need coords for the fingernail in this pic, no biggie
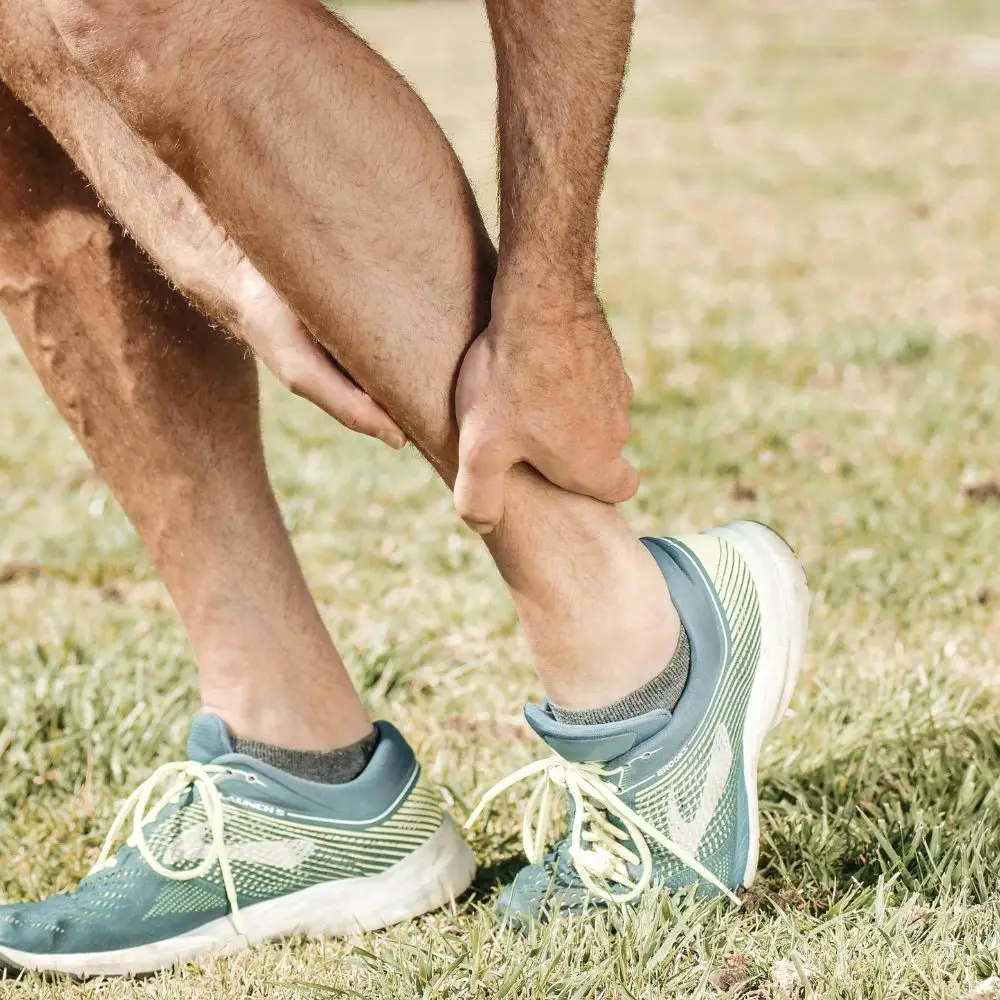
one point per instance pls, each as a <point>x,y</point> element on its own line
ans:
<point>394,439</point>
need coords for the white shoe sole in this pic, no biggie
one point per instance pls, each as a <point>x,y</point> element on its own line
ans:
<point>431,877</point>
<point>783,596</point>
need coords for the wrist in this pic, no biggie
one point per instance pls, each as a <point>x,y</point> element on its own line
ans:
<point>529,286</point>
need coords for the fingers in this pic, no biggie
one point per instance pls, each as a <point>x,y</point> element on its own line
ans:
<point>617,480</point>
<point>310,372</point>
<point>479,486</point>
<point>611,481</point>
<point>617,483</point>
<point>282,341</point>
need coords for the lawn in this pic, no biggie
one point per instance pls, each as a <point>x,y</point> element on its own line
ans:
<point>801,259</point>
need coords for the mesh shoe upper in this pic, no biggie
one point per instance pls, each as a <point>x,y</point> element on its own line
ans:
<point>680,773</point>
<point>281,835</point>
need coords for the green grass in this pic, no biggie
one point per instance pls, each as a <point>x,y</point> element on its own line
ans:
<point>800,251</point>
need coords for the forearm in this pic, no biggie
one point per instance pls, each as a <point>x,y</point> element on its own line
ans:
<point>323,165</point>
<point>560,67</point>
<point>148,198</point>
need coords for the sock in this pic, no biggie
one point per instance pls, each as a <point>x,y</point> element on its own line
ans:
<point>663,691</point>
<point>328,767</point>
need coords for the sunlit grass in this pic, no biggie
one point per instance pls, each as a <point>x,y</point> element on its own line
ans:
<point>801,250</point>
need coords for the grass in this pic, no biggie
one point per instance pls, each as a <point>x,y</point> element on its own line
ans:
<point>800,250</point>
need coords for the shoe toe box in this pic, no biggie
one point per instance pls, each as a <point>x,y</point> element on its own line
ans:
<point>540,893</point>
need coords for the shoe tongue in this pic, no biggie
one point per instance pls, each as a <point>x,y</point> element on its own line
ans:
<point>208,738</point>
<point>593,744</point>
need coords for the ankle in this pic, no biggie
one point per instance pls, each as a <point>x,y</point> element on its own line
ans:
<point>280,721</point>
<point>607,636</point>
<point>661,693</point>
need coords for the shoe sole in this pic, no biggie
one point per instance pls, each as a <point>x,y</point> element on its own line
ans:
<point>433,876</point>
<point>783,596</point>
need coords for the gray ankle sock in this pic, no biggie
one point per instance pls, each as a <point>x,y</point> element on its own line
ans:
<point>328,767</point>
<point>663,691</point>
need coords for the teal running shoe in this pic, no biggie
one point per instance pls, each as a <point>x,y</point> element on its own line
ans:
<point>226,851</point>
<point>669,799</point>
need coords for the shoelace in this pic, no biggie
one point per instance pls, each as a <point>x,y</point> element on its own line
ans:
<point>185,774</point>
<point>598,847</point>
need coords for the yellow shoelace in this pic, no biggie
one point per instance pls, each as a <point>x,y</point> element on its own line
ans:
<point>599,849</point>
<point>185,774</point>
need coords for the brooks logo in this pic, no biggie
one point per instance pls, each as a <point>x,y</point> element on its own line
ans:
<point>689,833</point>
<point>194,844</point>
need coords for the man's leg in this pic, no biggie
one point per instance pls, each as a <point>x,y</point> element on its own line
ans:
<point>167,410</point>
<point>292,813</point>
<point>331,173</point>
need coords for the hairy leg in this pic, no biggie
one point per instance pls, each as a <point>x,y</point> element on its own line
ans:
<point>330,172</point>
<point>167,410</point>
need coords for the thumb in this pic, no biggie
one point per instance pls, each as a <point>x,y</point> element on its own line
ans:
<point>618,482</point>
<point>479,485</point>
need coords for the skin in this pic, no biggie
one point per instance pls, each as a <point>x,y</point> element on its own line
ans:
<point>329,172</point>
<point>167,410</point>
<point>544,384</point>
<point>177,232</point>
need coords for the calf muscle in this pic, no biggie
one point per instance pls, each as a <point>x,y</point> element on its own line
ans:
<point>326,167</point>
<point>108,338</point>
<point>149,200</point>
<point>332,174</point>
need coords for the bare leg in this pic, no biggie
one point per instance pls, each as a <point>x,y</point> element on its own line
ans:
<point>327,168</point>
<point>167,410</point>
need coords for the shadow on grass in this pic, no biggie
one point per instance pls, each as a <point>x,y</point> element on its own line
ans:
<point>495,876</point>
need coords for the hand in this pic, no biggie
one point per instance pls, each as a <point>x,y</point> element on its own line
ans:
<point>280,339</point>
<point>543,384</point>
<point>208,267</point>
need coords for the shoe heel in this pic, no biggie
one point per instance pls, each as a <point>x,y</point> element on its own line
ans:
<point>783,596</point>
<point>781,586</point>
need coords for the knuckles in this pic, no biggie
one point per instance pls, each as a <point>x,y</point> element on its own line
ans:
<point>621,427</point>
<point>294,372</point>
